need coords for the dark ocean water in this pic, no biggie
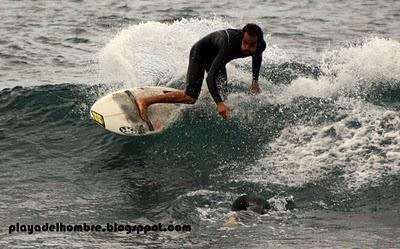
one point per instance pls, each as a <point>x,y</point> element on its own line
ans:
<point>324,132</point>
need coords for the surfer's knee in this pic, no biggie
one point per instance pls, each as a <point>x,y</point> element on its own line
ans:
<point>190,99</point>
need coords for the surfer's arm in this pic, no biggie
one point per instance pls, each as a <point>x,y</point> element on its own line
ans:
<point>256,60</point>
<point>212,73</point>
<point>256,65</point>
<point>255,87</point>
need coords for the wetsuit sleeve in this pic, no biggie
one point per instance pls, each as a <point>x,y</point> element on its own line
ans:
<point>257,59</point>
<point>218,63</point>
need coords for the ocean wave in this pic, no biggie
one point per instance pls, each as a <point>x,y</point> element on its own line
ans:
<point>308,128</point>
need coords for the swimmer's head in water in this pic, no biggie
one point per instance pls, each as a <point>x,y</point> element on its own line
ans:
<point>252,36</point>
<point>251,202</point>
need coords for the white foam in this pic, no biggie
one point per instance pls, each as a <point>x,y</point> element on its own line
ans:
<point>375,60</point>
<point>153,53</point>
<point>364,153</point>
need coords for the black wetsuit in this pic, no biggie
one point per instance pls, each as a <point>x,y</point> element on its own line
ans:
<point>211,54</point>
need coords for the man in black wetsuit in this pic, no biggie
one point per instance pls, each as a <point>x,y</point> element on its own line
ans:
<point>211,54</point>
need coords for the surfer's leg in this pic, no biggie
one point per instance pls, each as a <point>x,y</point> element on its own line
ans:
<point>195,74</point>
<point>170,97</point>
<point>194,80</point>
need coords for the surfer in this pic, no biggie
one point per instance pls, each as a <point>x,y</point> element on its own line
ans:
<point>210,54</point>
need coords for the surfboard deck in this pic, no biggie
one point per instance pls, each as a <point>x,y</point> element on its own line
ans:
<point>117,112</point>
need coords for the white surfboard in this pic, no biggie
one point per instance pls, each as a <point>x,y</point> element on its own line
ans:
<point>118,113</point>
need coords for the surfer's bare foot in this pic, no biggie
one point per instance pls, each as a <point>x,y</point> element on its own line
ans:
<point>142,108</point>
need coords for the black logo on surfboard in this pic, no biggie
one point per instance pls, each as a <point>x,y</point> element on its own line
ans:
<point>130,130</point>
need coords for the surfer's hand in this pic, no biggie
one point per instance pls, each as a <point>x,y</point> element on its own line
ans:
<point>255,87</point>
<point>223,110</point>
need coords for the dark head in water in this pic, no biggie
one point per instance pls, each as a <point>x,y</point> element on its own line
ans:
<point>251,202</point>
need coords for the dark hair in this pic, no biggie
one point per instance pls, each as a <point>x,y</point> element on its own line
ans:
<point>252,202</point>
<point>253,30</point>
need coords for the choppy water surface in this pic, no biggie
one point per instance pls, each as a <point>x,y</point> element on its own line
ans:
<point>325,130</point>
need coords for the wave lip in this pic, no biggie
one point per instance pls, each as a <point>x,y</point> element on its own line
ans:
<point>369,69</point>
<point>153,53</point>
